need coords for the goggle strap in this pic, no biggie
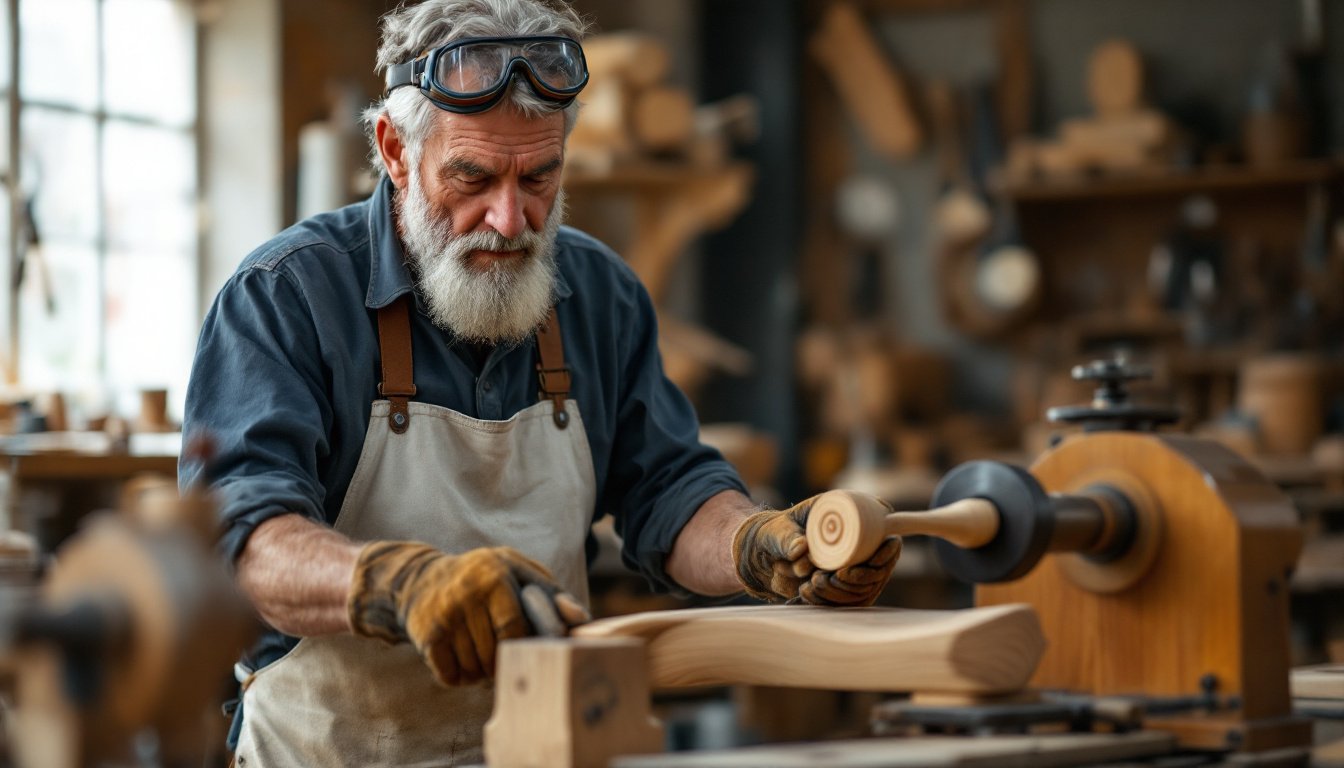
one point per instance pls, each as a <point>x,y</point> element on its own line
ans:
<point>403,73</point>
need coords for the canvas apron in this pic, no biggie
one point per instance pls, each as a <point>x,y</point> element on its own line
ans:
<point>430,474</point>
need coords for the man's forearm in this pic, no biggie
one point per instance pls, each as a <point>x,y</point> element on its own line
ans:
<point>297,574</point>
<point>702,556</point>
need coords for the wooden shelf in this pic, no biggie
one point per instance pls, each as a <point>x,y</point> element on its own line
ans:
<point>1228,178</point>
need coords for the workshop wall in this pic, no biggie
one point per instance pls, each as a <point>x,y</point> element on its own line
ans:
<point>748,283</point>
<point>1199,70</point>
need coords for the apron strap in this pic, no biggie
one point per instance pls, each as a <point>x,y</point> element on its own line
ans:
<point>552,374</point>
<point>394,342</point>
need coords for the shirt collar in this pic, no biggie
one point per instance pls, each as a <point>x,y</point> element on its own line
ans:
<point>389,276</point>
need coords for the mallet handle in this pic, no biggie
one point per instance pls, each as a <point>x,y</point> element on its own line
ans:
<point>847,527</point>
<point>968,523</point>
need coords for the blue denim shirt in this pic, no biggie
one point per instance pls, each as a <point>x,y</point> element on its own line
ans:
<point>287,367</point>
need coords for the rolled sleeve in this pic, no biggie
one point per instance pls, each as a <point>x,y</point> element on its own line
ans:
<point>661,473</point>
<point>258,392</point>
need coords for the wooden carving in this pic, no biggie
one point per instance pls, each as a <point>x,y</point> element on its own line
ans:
<point>875,649</point>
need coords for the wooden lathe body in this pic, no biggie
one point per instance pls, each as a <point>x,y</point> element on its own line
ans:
<point>1200,604</point>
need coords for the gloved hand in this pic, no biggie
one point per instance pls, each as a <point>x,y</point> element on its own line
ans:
<point>455,609</point>
<point>770,553</point>
<point>858,584</point>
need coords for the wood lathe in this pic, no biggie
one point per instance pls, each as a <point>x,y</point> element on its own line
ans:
<point>119,654</point>
<point>1156,564</point>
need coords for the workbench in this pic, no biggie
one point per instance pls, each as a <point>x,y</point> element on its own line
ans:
<point>51,479</point>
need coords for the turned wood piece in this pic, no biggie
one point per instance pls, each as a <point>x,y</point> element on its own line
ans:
<point>994,522</point>
<point>861,649</point>
<point>847,527</point>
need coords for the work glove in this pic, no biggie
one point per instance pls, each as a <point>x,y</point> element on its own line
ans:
<point>455,609</point>
<point>858,584</point>
<point>770,553</point>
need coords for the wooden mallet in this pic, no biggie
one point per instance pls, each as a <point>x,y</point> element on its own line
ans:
<point>847,527</point>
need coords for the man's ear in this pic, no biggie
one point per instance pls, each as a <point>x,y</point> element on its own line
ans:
<point>392,151</point>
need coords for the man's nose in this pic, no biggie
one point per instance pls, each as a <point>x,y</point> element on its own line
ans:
<point>505,214</point>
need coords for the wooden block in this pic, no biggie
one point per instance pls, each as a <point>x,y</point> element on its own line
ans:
<point>637,60</point>
<point>869,86</point>
<point>861,649</point>
<point>602,130</point>
<point>570,703</point>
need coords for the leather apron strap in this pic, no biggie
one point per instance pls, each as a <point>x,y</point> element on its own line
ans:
<point>394,343</point>
<point>398,368</point>
<point>552,374</point>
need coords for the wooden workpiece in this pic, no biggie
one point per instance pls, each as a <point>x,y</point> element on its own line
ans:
<point>846,527</point>
<point>872,649</point>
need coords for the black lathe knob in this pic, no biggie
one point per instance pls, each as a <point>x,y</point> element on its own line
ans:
<point>1111,408</point>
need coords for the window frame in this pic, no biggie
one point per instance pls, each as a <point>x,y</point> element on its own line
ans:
<point>11,334</point>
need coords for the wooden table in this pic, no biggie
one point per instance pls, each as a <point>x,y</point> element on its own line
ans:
<point>52,479</point>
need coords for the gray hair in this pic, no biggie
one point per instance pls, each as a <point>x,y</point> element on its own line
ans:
<point>412,30</point>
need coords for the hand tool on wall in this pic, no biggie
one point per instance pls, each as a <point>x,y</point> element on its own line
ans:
<point>989,290</point>
<point>960,215</point>
<point>871,89</point>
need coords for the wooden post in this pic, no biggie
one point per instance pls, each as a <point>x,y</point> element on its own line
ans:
<point>570,703</point>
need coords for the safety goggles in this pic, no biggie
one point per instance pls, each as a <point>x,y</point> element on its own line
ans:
<point>472,75</point>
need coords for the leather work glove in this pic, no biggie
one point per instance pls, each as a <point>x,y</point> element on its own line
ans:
<point>455,609</point>
<point>858,584</point>
<point>770,553</point>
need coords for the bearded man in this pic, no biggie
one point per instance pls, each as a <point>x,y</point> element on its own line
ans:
<point>422,402</point>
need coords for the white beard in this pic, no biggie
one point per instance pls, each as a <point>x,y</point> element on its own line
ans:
<point>502,304</point>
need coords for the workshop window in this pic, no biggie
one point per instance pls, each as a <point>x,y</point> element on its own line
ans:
<point>101,219</point>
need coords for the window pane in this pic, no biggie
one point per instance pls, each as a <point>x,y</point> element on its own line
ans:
<point>58,172</point>
<point>58,318</point>
<point>156,81</point>
<point>7,297</point>
<point>59,52</point>
<point>4,45</point>
<point>151,319</point>
<point>150,175</point>
<point>4,133</point>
